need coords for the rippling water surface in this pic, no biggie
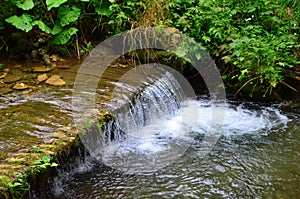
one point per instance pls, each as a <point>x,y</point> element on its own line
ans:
<point>257,156</point>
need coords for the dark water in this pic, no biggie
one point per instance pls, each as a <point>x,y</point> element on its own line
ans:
<point>257,156</point>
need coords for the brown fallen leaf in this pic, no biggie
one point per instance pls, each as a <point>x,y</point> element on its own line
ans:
<point>55,80</point>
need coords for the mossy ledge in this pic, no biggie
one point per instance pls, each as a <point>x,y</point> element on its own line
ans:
<point>31,169</point>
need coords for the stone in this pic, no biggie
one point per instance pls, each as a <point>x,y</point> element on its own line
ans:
<point>43,50</point>
<point>20,86</point>
<point>17,66</point>
<point>41,78</point>
<point>5,90</point>
<point>54,58</point>
<point>34,54</point>
<point>55,80</point>
<point>63,67</point>
<point>3,75</point>
<point>46,58</point>
<point>40,69</point>
<point>11,78</point>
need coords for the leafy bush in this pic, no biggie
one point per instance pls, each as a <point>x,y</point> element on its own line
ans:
<point>67,21</point>
<point>254,42</point>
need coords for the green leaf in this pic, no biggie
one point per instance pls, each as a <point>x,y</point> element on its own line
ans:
<point>25,5</point>
<point>54,3</point>
<point>102,7</point>
<point>85,0</point>
<point>53,164</point>
<point>68,15</point>
<point>65,36</point>
<point>42,26</point>
<point>57,29</point>
<point>10,185</point>
<point>46,159</point>
<point>38,162</point>
<point>206,38</point>
<point>23,22</point>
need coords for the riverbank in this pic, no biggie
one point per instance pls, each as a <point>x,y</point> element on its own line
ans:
<point>37,126</point>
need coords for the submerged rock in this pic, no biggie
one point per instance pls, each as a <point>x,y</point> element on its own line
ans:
<point>55,80</point>
<point>5,90</point>
<point>40,69</point>
<point>11,78</point>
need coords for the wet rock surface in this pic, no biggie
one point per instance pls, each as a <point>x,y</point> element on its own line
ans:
<point>11,78</point>
<point>35,117</point>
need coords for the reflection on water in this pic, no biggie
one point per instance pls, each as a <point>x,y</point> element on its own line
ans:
<point>257,156</point>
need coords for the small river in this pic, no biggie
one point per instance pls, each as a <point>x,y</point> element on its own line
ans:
<point>257,156</point>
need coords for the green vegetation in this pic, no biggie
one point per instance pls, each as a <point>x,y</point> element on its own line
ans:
<point>41,165</point>
<point>255,43</point>
<point>20,186</point>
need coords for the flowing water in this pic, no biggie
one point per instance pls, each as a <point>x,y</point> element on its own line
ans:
<point>157,151</point>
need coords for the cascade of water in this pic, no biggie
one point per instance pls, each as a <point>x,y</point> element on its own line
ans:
<point>157,101</point>
<point>145,127</point>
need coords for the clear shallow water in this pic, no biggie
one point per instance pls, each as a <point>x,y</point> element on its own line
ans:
<point>257,156</point>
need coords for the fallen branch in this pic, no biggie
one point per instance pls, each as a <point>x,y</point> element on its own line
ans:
<point>289,86</point>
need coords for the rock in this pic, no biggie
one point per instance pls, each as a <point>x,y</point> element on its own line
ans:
<point>3,75</point>
<point>5,90</point>
<point>40,69</point>
<point>63,66</point>
<point>11,78</point>
<point>27,91</point>
<point>43,50</point>
<point>20,86</point>
<point>34,54</point>
<point>55,80</point>
<point>54,58</point>
<point>46,58</point>
<point>42,78</point>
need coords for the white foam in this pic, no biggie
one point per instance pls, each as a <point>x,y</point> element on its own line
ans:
<point>158,135</point>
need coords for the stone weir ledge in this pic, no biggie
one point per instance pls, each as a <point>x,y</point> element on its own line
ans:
<point>37,126</point>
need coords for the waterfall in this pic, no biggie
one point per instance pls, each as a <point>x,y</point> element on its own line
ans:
<point>142,136</point>
<point>157,125</point>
